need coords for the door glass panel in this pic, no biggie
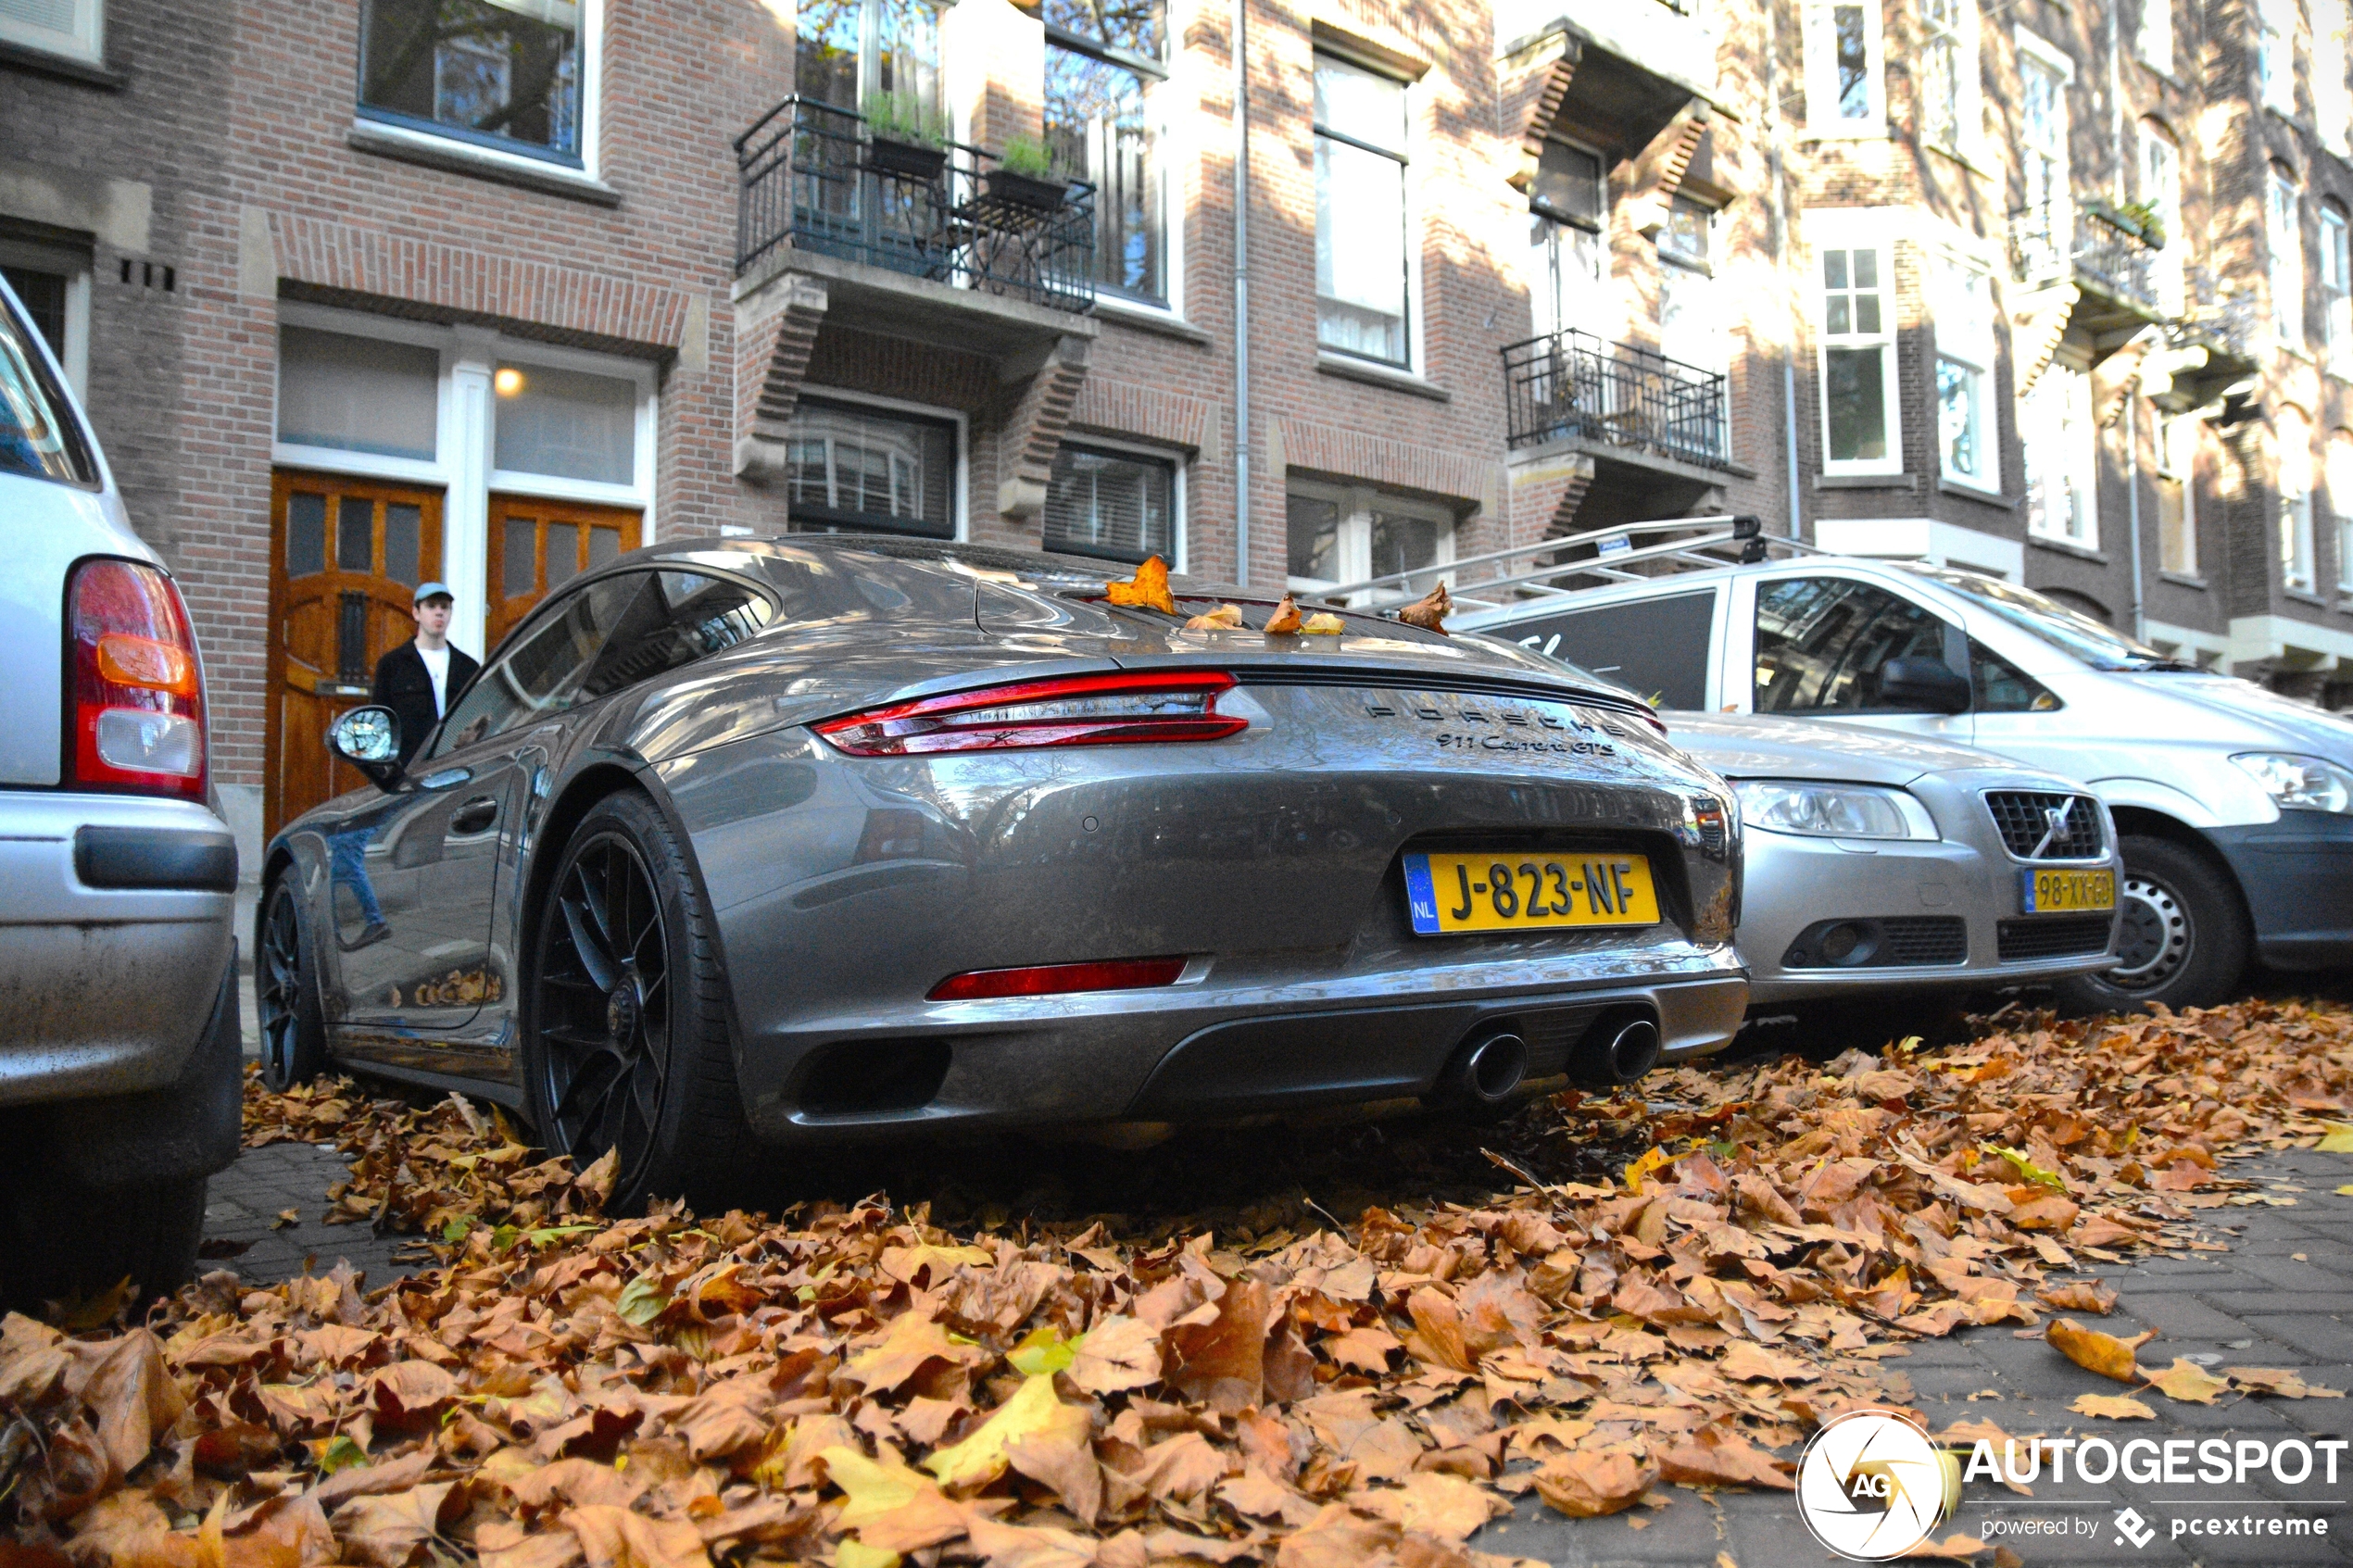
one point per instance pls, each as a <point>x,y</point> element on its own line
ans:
<point>544,675</point>
<point>401,527</point>
<point>1821,642</point>
<point>519,574</point>
<point>355,535</point>
<point>604,545</point>
<point>306,535</point>
<point>563,553</point>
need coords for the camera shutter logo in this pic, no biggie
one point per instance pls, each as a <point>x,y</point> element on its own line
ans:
<point>1871,1485</point>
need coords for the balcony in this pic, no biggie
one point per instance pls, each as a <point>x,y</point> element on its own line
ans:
<point>2212,349</point>
<point>2107,257</point>
<point>815,183</point>
<point>1614,399</point>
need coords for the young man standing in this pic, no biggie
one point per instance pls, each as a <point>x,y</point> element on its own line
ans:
<point>419,679</point>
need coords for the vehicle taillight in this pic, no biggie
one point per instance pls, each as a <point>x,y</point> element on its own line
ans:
<point>1074,711</point>
<point>1059,978</point>
<point>136,704</point>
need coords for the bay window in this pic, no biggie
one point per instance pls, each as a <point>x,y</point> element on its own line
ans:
<point>1363,252</point>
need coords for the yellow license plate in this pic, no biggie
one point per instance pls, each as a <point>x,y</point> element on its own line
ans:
<point>1505,891</point>
<point>2056,893</point>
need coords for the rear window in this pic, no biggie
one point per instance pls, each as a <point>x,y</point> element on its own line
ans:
<point>1656,648</point>
<point>37,436</point>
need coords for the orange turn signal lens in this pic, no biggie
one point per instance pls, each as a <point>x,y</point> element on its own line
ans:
<point>125,660</point>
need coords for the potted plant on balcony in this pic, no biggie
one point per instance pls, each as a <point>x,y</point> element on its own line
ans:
<point>2139,219</point>
<point>1023,177</point>
<point>906,138</point>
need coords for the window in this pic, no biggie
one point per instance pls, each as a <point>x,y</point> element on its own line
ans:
<point>1569,229</point>
<point>53,284</point>
<point>1822,641</point>
<point>547,672</point>
<point>1999,686</point>
<point>37,436</point>
<point>2337,290</point>
<point>851,466</point>
<point>2161,188</point>
<point>2297,567</point>
<point>74,28</point>
<point>2340,478</point>
<point>2176,487</point>
<point>2156,41</point>
<point>1964,315</point>
<point>1656,648</point>
<point>1117,505</point>
<point>2275,53</point>
<point>1950,114</point>
<point>506,74</point>
<point>848,53</point>
<point>1691,325</point>
<point>1843,96</point>
<point>566,423</point>
<point>2054,427</point>
<point>1105,76</point>
<point>2042,157</point>
<point>2331,102</point>
<point>1345,534</point>
<point>1362,253</point>
<point>1858,364</point>
<point>357,393</point>
<point>674,618</point>
<point>2283,230</point>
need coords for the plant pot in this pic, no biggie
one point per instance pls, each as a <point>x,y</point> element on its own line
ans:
<point>911,161</point>
<point>1028,190</point>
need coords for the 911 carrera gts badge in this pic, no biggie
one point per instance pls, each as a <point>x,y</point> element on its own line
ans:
<point>1476,724</point>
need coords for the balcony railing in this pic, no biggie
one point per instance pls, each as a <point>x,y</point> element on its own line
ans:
<point>2113,256</point>
<point>815,177</point>
<point>1571,382</point>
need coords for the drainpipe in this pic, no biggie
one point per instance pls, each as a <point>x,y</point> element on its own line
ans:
<point>1242,293</point>
<point>2132,393</point>
<point>1780,249</point>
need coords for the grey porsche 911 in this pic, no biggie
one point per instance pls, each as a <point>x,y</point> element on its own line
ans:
<point>740,845</point>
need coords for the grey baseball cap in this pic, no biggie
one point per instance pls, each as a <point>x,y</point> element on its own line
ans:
<point>433,590</point>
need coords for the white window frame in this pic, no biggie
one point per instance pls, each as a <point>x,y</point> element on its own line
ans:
<point>1822,122</point>
<point>929,411</point>
<point>465,437</point>
<point>1966,141</point>
<point>2153,40</point>
<point>1973,351</point>
<point>73,265</point>
<point>1545,271</point>
<point>592,79</point>
<point>1178,545</point>
<point>2176,463</point>
<point>2283,208</point>
<point>2339,476</point>
<point>1414,158</point>
<point>85,41</point>
<point>1354,549</point>
<point>2298,547</point>
<point>1166,122</point>
<point>1830,229</point>
<point>2275,54</point>
<point>2332,98</point>
<point>2336,291</point>
<point>2077,461</point>
<point>2060,196</point>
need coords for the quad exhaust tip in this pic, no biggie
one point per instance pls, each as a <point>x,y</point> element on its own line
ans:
<point>1489,1070</point>
<point>1620,1046</point>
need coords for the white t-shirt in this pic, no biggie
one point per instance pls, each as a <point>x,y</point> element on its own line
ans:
<point>437,666</point>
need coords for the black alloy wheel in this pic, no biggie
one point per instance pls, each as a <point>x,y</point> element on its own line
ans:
<point>294,1047</point>
<point>604,1007</point>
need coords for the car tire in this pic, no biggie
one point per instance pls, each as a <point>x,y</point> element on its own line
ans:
<point>626,1035</point>
<point>285,991</point>
<point>2185,938</point>
<point>63,1241</point>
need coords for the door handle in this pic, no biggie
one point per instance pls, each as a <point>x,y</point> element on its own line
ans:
<point>475,814</point>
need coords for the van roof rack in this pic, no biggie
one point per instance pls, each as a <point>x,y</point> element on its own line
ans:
<point>1557,567</point>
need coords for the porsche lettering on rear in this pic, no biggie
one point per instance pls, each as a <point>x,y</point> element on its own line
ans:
<point>1487,726</point>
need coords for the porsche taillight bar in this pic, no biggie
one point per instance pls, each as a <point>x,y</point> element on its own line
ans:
<point>1116,709</point>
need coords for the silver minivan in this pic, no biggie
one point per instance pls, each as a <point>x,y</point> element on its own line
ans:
<point>120,1046</point>
<point>2234,805</point>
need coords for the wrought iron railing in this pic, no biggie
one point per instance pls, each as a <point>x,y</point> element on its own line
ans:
<point>2219,316</point>
<point>1571,382</point>
<point>2095,246</point>
<point>815,177</point>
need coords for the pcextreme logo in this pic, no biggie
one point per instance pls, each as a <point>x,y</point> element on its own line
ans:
<point>1872,1485</point>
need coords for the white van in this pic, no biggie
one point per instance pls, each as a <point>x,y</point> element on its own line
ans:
<point>2234,805</point>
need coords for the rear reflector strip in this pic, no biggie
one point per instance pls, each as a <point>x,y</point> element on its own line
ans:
<point>1074,711</point>
<point>1056,979</point>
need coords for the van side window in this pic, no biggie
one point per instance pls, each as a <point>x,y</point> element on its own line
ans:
<point>2004,688</point>
<point>1821,642</point>
<point>1656,648</point>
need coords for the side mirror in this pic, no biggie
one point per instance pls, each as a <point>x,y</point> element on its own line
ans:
<point>1925,685</point>
<point>369,738</point>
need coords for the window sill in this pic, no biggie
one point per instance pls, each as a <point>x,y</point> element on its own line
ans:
<point>457,157</point>
<point>2305,596</point>
<point>2184,580</point>
<point>1865,482</point>
<point>1977,493</point>
<point>1364,371</point>
<point>65,67</point>
<point>1146,318</point>
<point>2068,547</point>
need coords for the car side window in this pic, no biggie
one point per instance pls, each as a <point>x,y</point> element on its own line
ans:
<point>675,618</point>
<point>2001,687</point>
<point>546,673</point>
<point>1822,641</point>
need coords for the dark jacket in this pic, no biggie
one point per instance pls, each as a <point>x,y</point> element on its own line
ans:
<point>403,685</point>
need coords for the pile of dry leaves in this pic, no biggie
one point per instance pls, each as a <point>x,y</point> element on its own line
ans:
<point>855,1385</point>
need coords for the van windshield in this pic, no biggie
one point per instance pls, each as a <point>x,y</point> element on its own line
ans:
<point>2070,631</point>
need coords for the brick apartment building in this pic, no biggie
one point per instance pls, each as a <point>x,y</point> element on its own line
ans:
<point>365,291</point>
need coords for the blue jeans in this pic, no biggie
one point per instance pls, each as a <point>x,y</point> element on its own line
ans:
<point>349,850</point>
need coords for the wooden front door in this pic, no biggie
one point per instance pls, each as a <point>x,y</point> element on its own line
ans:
<point>537,546</point>
<point>346,558</point>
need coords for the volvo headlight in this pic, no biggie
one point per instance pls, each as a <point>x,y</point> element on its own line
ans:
<point>2307,783</point>
<point>1842,810</point>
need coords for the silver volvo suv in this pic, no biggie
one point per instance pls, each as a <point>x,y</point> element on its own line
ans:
<point>120,1046</point>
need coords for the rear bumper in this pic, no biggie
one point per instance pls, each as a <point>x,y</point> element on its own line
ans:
<point>2298,875</point>
<point>116,916</point>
